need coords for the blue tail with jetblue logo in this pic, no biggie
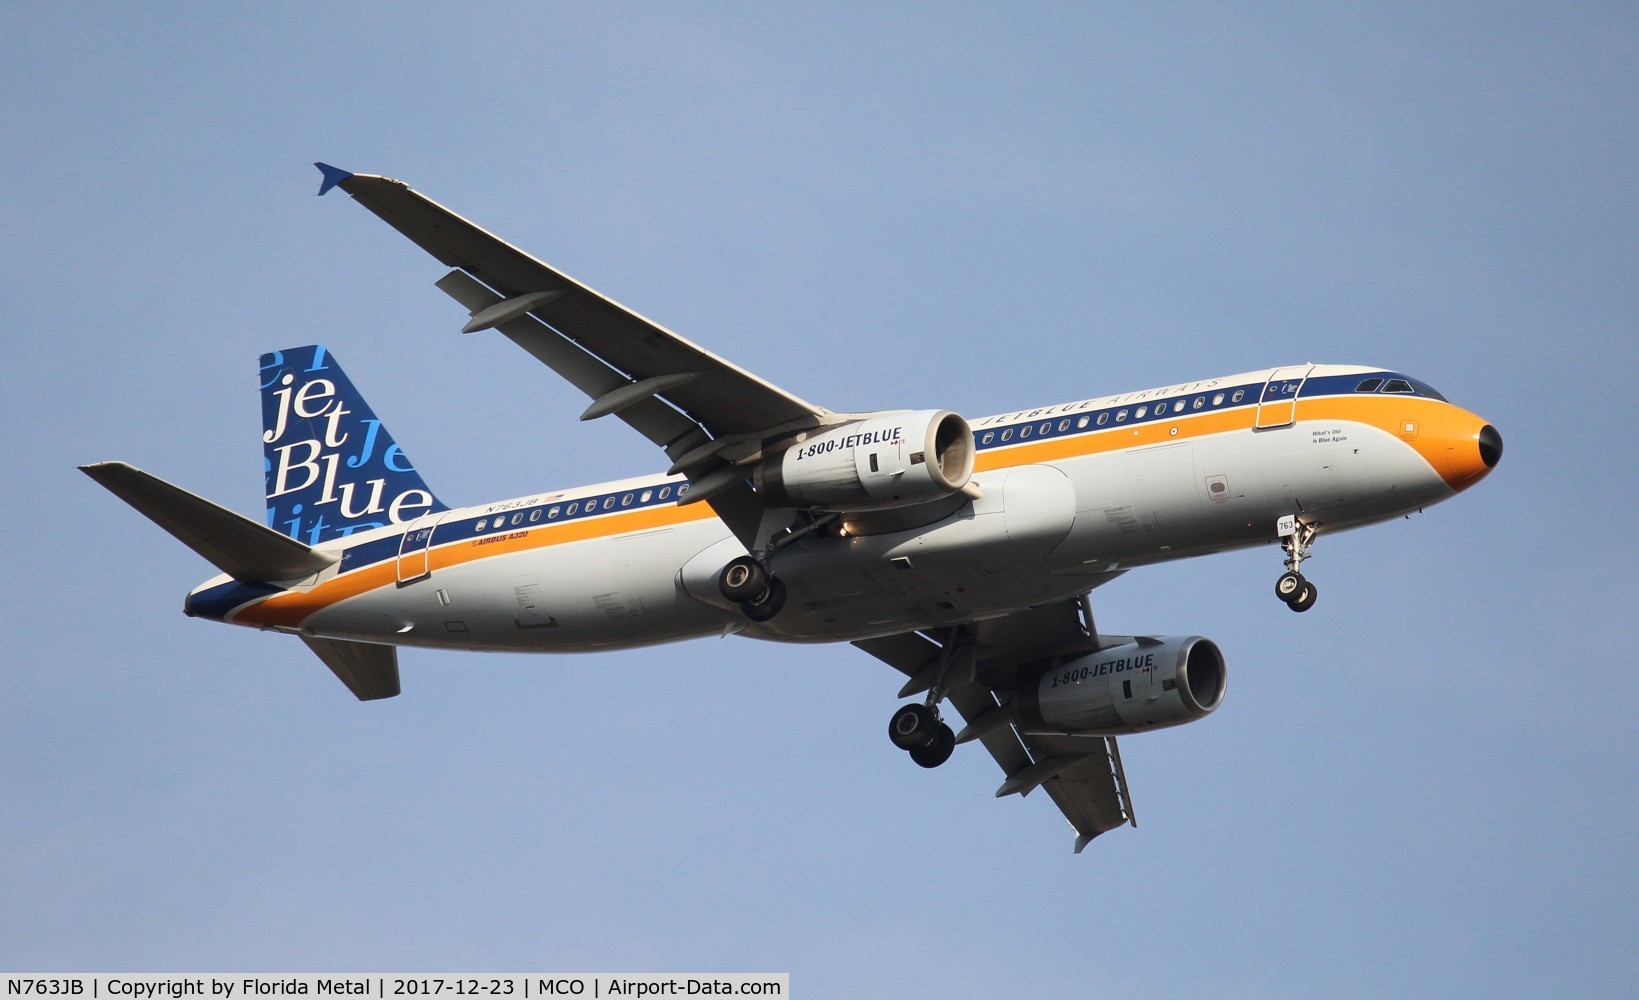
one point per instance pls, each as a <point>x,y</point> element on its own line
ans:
<point>331,467</point>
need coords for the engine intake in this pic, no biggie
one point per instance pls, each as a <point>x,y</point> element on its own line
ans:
<point>890,460</point>
<point>1146,684</point>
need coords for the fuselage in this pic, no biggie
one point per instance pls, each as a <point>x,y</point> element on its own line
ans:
<point>1069,495</point>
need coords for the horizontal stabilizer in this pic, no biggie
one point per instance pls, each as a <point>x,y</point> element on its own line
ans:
<point>369,671</point>
<point>233,543</point>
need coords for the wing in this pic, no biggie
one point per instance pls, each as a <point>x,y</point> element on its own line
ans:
<point>979,664</point>
<point>704,411</point>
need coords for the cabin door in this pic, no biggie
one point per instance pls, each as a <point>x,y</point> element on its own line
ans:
<point>1278,405</point>
<point>414,550</point>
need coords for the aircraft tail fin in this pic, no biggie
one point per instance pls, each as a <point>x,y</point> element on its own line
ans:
<point>331,467</point>
<point>233,543</point>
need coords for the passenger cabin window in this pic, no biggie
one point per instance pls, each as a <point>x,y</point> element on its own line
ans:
<point>1138,414</point>
<point>646,497</point>
<point>572,508</point>
<point>1024,431</point>
<point>1370,385</point>
<point>1120,416</point>
<point>989,436</point>
<point>1103,418</point>
<point>1218,399</point>
<point>1082,422</point>
<point>1007,435</point>
<point>665,491</point>
<point>1046,425</point>
<point>552,515</point>
<point>1239,395</point>
<point>1398,385</point>
<point>1200,401</point>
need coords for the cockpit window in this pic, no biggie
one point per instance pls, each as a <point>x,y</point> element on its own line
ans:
<point>1398,385</point>
<point>1424,389</point>
<point>1370,385</point>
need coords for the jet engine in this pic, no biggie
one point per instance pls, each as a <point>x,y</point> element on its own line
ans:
<point>1145,684</point>
<point>888,460</point>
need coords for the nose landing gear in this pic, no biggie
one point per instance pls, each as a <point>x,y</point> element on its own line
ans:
<point>1297,537</point>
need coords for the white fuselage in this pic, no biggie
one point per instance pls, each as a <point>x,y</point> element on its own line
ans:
<point>1069,495</point>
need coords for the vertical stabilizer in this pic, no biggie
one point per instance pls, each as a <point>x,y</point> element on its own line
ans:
<point>331,468</point>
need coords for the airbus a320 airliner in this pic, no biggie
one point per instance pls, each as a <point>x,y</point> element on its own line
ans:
<point>961,552</point>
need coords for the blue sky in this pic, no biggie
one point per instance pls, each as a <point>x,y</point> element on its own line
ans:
<point>1424,786</point>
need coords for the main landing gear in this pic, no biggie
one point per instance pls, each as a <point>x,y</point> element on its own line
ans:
<point>748,583</point>
<point>916,728</point>
<point>1296,539</point>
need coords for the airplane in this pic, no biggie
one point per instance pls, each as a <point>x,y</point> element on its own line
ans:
<point>960,552</point>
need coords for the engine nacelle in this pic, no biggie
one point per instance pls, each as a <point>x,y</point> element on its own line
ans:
<point>892,460</point>
<point>1147,684</point>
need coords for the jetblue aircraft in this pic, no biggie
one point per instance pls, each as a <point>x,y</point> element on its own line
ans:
<point>959,551</point>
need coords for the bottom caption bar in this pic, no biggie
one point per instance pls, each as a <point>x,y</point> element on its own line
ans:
<point>395,986</point>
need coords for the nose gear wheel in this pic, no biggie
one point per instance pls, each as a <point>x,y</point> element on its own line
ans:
<point>1305,600</point>
<point>1297,540</point>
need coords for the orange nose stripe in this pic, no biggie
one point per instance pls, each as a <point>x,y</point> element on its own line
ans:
<point>1452,443</point>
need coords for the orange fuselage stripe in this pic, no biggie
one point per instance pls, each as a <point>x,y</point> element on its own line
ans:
<point>291,608</point>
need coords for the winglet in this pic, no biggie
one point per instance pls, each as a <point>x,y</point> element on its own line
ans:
<point>332,177</point>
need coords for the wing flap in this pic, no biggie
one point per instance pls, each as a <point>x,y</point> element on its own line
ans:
<point>1092,793</point>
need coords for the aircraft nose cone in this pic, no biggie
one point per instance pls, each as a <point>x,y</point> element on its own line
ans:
<point>1463,447</point>
<point>1490,446</point>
